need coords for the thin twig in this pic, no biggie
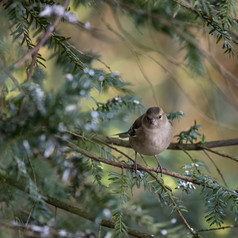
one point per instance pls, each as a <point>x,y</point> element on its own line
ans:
<point>43,38</point>
<point>218,228</point>
<point>134,42</point>
<point>221,154</point>
<point>101,142</point>
<point>14,80</point>
<point>127,39</point>
<point>137,43</point>
<point>218,170</point>
<point>31,67</point>
<point>172,201</point>
<point>130,46</point>
<point>117,150</point>
<point>29,160</point>
<point>182,34</point>
<point>219,89</point>
<point>29,216</point>
<point>191,158</point>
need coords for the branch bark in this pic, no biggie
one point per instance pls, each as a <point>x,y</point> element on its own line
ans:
<point>130,166</point>
<point>218,228</point>
<point>178,146</point>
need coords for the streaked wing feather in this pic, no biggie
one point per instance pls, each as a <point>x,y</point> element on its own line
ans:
<point>136,125</point>
<point>132,131</point>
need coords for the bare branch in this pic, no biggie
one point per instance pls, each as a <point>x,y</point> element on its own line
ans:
<point>130,166</point>
<point>178,146</point>
<point>173,146</point>
<point>218,170</point>
<point>14,80</point>
<point>218,228</point>
<point>78,211</point>
<point>182,34</point>
<point>221,154</point>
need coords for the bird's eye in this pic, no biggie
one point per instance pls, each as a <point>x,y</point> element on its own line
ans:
<point>148,118</point>
<point>160,116</point>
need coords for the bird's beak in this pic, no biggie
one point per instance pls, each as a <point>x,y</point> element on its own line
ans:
<point>153,120</point>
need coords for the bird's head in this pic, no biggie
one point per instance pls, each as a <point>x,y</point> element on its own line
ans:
<point>154,117</point>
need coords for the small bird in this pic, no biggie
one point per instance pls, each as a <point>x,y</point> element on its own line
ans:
<point>150,134</point>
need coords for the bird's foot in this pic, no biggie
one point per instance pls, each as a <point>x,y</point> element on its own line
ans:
<point>159,168</point>
<point>135,166</point>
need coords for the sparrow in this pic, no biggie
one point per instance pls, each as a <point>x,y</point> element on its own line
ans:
<point>150,134</point>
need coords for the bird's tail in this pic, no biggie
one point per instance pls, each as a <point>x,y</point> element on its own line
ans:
<point>123,134</point>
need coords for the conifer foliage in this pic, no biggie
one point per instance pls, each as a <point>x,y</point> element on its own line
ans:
<point>60,176</point>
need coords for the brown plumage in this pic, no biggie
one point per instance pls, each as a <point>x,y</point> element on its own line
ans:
<point>150,134</point>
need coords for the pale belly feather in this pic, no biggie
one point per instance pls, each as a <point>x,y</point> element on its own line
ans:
<point>151,142</point>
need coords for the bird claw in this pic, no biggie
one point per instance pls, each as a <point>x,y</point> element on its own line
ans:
<point>135,166</point>
<point>159,168</point>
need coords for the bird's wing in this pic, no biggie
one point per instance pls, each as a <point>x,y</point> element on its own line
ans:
<point>132,131</point>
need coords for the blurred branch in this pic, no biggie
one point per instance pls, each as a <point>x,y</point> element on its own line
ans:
<point>221,154</point>
<point>132,43</point>
<point>32,230</point>
<point>99,141</point>
<point>229,97</point>
<point>43,38</point>
<point>21,185</point>
<point>139,44</point>
<point>131,47</point>
<point>218,170</point>
<point>218,228</point>
<point>183,35</point>
<point>200,14</point>
<point>9,74</point>
<point>191,158</point>
<point>78,211</point>
<point>186,5</point>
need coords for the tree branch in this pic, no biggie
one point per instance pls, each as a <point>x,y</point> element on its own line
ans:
<point>221,154</point>
<point>9,74</point>
<point>174,146</point>
<point>130,166</point>
<point>174,203</point>
<point>178,146</point>
<point>183,35</point>
<point>21,185</point>
<point>218,170</point>
<point>218,228</point>
<point>43,38</point>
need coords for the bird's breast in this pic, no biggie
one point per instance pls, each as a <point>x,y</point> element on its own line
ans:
<point>151,141</point>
